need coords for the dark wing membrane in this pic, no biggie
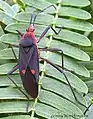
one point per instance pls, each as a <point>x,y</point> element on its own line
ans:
<point>34,64</point>
<point>29,69</point>
<point>29,83</point>
<point>25,55</point>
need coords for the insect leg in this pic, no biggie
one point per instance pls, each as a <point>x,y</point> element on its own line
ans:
<point>46,30</point>
<point>14,53</point>
<point>54,50</point>
<point>15,45</point>
<point>87,108</point>
<point>21,34</point>
<point>62,71</point>
<point>9,77</point>
<point>43,33</point>
<point>56,32</point>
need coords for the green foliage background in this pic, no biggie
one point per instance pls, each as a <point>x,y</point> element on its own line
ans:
<point>55,97</point>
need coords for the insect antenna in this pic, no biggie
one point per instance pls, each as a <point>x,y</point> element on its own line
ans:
<point>39,13</point>
<point>31,18</point>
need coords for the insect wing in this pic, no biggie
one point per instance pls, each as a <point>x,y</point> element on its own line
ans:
<point>29,69</point>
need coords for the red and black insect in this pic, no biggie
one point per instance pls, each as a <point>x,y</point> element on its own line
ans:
<point>28,61</point>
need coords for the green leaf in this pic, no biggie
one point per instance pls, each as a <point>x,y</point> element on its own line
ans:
<point>16,26</point>
<point>5,82</point>
<point>30,9</point>
<point>64,2</point>
<point>48,98</point>
<point>2,46</point>
<point>1,31</point>
<point>69,64</point>
<point>25,17</point>
<point>6,19</point>
<point>11,93</point>
<point>90,85</point>
<point>8,54</point>
<point>5,68</point>
<point>47,111</point>
<point>70,50</point>
<point>13,107</point>
<point>75,82</point>
<point>60,89</point>
<point>55,99</point>
<point>73,37</point>
<point>37,3</point>
<point>18,117</point>
<point>78,3</point>
<point>74,12</point>
<point>15,8</point>
<point>10,38</point>
<point>22,27</point>
<point>75,24</point>
<point>50,112</point>
<point>7,8</point>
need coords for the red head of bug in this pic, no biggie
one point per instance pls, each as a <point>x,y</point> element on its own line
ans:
<point>31,28</point>
<point>30,33</point>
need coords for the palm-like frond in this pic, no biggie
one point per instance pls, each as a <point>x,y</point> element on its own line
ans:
<point>55,99</point>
